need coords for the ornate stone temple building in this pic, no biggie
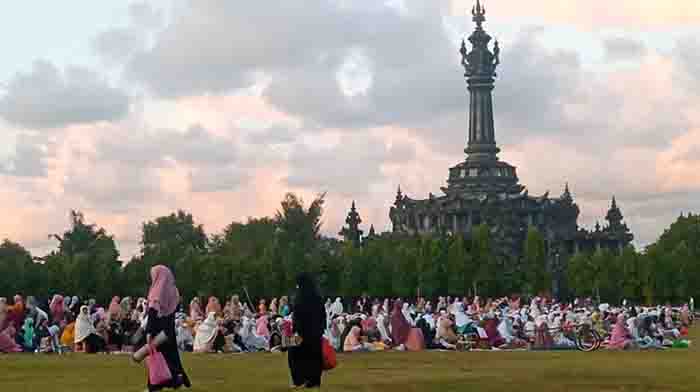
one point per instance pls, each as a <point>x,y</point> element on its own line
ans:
<point>485,189</point>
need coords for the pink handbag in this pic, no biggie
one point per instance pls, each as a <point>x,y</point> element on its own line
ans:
<point>158,371</point>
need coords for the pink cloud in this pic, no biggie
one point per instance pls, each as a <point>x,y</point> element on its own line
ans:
<point>679,166</point>
<point>591,14</point>
<point>221,112</point>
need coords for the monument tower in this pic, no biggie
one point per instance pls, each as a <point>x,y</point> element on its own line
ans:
<point>482,189</point>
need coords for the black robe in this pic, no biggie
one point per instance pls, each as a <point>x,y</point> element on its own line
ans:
<point>306,360</point>
<point>169,350</point>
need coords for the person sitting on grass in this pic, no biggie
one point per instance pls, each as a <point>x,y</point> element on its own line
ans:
<point>86,334</point>
<point>400,327</point>
<point>185,340</point>
<point>543,339</point>
<point>446,337</point>
<point>28,335</point>
<point>206,334</point>
<point>507,332</point>
<point>621,338</point>
<point>7,341</point>
<point>354,343</point>
<point>68,333</point>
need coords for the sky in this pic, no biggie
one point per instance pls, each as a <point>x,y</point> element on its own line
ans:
<point>129,110</point>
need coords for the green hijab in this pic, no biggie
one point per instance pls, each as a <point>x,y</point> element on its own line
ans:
<point>28,332</point>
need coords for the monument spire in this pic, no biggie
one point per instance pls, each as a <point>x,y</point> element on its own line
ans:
<point>480,70</point>
<point>479,14</point>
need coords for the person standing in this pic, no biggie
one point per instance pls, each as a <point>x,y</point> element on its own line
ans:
<point>309,321</point>
<point>163,299</point>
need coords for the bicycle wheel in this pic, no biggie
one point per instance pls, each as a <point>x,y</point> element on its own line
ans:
<point>587,340</point>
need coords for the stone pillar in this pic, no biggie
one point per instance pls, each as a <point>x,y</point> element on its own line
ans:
<point>455,229</point>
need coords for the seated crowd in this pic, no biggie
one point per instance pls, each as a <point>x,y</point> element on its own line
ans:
<point>66,324</point>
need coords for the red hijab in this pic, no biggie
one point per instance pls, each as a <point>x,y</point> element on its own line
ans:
<point>400,328</point>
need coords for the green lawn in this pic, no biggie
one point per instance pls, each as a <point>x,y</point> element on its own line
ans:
<point>672,370</point>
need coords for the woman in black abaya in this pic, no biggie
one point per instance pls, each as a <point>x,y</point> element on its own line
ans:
<point>163,298</point>
<point>309,321</point>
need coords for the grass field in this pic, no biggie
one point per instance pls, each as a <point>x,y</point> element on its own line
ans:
<point>671,370</point>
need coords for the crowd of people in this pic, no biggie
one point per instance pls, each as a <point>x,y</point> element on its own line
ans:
<point>67,323</point>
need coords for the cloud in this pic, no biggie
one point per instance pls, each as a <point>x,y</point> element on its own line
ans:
<point>156,148</point>
<point>628,14</point>
<point>353,98</point>
<point>145,16</point>
<point>28,160</point>
<point>687,57</point>
<point>217,179</point>
<point>350,166</point>
<point>274,135</point>
<point>622,48</point>
<point>115,45</point>
<point>47,97</point>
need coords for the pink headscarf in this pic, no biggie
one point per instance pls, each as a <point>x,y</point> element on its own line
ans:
<point>620,335</point>
<point>7,341</point>
<point>369,323</point>
<point>163,295</point>
<point>115,310</point>
<point>56,307</point>
<point>262,327</point>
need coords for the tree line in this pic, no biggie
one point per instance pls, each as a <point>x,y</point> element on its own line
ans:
<point>262,256</point>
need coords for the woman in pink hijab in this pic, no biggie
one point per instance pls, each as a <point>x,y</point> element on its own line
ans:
<point>7,335</point>
<point>163,299</point>
<point>114,311</point>
<point>620,339</point>
<point>262,327</point>
<point>57,309</point>
<point>7,341</point>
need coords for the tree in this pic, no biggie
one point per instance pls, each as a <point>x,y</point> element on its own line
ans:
<point>431,266</point>
<point>297,235</point>
<point>86,262</point>
<point>629,264</point>
<point>598,268</point>
<point>538,278</point>
<point>243,255</point>
<point>356,270</point>
<point>15,269</point>
<point>167,239</point>
<point>483,269</point>
<point>380,256</point>
<point>458,264</point>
